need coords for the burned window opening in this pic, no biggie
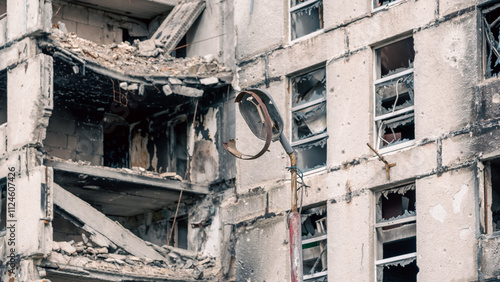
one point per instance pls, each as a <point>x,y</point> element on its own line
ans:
<point>116,147</point>
<point>309,127</point>
<point>491,196</point>
<point>395,234</point>
<point>314,244</point>
<point>305,17</point>
<point>394,95</point>
<point>491,33</point>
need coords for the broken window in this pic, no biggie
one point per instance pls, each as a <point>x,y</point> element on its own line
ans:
<point>491,32</point>
<point>3,8</point>
<point>491,196</point>
<point>382,3</point>
<point>394,95</point>
<point>314,247</point>
<point>306,17</point>
<point>395,234</point>
<point>309,119</point>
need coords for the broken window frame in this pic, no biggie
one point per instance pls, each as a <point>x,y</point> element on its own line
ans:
<point>486,41</point>
<point>321,239</point>
<point>408,220</point>
<point>377,6</point>
<point>398,113</point>
<point>314,139</point>
<point>486,196</point>
<point>304,5</point>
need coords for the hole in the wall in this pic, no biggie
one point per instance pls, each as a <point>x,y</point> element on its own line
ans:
<point>126,37</point>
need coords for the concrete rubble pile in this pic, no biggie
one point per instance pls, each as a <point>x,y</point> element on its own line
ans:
<point>89,256</point>
<point>139,58</point>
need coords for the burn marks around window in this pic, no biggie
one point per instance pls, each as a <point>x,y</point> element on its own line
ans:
<point>314,244</point>
<point>306,16</point>
<point>490,20</point>
<point>395,234</point>
<point>309,123</point>
<point>394,94</point>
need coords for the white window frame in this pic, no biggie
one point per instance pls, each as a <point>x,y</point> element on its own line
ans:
<point>406,112</point>
<point>317,137</point>
<point>320,238</point>
<point>381,224</point>
<point>296,8</point>
<point>382,7</point>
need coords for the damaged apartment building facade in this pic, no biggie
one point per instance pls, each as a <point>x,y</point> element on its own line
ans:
<point>113,116</point>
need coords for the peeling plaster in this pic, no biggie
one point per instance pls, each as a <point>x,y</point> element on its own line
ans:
<point>438,212</point>
<point>458,198</point>
<point>210,122</point>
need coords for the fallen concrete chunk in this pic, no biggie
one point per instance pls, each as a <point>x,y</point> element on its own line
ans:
<point>98,223</point>
<point>67,248</point>
<point>209,81</point>
<point>166,89</point>
<point>55,246</point>
<point>187,91</point>
<point>174,80</point>
<point>181,252</point>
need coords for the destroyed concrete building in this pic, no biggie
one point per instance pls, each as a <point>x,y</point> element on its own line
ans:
<point>113,116</point>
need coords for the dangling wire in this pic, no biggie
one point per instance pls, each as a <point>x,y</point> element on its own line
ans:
<point>302,183</point>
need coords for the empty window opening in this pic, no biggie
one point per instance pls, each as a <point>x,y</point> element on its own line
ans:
<point>395,234</point>
<point>306,16</point>
<point>314,244</point>
<point>491,31</point>
<point>3,98</point>
<point>491,196</point>
<point>309,128</point>
<point>180,233</point>
<point>394,95</point>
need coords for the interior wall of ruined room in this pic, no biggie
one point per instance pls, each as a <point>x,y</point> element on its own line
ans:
<point>74,137</point>
<point>96,25</point>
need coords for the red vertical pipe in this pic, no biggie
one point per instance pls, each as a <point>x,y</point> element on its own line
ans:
<point>294,227</point>
<point>295,246</point>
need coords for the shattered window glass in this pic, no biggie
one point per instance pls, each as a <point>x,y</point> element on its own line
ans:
<point>396,241</point>
<point>306,17</point>
<point>314,244</point>
<point>380,3</point>
<point>491,39</point>
<point>394,95</point>
<point>309,119</point>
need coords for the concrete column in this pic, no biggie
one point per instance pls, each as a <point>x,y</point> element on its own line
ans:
<point>29,103</point>
<point>27,17</point>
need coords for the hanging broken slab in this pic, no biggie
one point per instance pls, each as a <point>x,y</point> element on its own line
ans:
<point>177,24</point>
